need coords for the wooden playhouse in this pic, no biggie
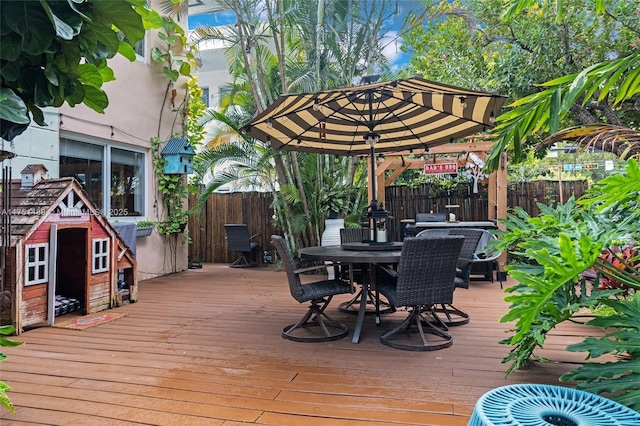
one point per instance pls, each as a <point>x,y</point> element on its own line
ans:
<point>59,253</point>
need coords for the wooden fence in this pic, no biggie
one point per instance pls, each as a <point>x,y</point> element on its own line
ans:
<point>206,229</point>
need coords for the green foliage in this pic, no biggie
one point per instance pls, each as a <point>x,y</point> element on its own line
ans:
<point>542,112</point>
<point>173,190</point>
<point>56,52</point>
<point>144,223</point>
<point>172,187</point>
<point>219,163</point>
<point>554,250</point>
<point>513,47</point>
<point>334,193</point>
<point>174,65</point>
<point>277,49</point>
<point>6,330</point>
<point>551,167</point>
<point>619,379</point>
<point>194,111</point>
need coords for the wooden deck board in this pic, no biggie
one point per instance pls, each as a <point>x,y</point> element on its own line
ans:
<point>204,347</point>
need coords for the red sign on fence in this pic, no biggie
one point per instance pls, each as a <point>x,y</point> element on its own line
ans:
<point>441,168</point>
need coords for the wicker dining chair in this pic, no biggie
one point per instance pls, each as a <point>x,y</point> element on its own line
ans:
<point>437,232</point>
<point>239,240</point>
<point>424,279</point>
<point>357,274</point>
<point>455,316</point>
<point>315,325</point>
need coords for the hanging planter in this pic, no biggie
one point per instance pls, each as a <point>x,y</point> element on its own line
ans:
<point>144,229</point>
<point>167,228</point>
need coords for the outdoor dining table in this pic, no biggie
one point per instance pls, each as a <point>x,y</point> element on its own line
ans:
<point>358,253</point>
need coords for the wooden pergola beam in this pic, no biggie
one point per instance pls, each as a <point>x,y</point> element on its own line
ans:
<point>497,187</point>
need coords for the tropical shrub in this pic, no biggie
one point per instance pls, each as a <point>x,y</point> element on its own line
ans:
<point>619,379</point>
<point>552,253</point>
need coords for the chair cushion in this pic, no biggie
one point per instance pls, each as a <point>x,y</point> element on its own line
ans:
<point>320,289</point>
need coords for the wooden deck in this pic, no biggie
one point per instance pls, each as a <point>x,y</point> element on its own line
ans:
<point>203,347</point>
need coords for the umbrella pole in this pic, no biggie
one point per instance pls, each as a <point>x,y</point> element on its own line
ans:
<point>373,207</point>
<point>374,190</point>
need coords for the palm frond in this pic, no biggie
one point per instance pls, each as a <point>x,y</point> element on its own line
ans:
<point>541,112</point>
<point>620,140</point>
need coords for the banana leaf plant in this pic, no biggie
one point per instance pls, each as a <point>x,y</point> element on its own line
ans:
<point>552,253</point>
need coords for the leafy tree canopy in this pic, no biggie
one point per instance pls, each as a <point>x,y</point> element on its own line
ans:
<point>514,51</point>
<point>56,52</point>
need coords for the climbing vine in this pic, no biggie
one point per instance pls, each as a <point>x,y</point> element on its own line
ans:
<point>173,191</point>
<point>172,187</point>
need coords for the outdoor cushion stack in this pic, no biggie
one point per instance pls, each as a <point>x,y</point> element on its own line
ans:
<point>64,305</point>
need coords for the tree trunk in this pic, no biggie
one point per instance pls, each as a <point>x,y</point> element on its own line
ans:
<point>583,114</point>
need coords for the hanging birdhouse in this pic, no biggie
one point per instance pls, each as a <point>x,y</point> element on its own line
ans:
<point>179,155</point>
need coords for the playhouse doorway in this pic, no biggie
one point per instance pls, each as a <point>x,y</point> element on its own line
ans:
<point>71,271</point>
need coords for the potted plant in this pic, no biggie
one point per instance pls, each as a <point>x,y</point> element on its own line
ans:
<point>336,201</point>
<point>144,228</point>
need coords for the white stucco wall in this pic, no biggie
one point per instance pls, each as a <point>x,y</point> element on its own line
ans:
<point>37,145</point>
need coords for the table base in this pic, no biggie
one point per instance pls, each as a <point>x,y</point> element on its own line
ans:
<point>353,305</point>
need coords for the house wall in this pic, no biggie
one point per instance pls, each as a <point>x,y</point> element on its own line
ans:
<point>214,73</point>
<point>140,107</point>
<point>37,145</point>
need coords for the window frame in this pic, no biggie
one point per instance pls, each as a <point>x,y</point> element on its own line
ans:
<point>101,256</point>
<point>106,147</point>
<point>205,95</point>
<point>36,263</point>
<point>140,48</point>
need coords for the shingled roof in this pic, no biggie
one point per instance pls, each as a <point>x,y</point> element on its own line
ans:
<point>178,146</point>
<point>30,206</point>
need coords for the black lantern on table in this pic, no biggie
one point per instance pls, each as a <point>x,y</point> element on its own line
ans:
<point>378,217</point>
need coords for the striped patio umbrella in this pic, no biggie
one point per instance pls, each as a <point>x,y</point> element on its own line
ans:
<point>405,114</point>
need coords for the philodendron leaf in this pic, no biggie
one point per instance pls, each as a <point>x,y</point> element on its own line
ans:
<point>127,51</point>
<point>8,343</point>
<point>172,75</point>
<point>185,68</point>
<point>90,75</point>
<point>63,30</point>
<point>123,16</point>
<point>158,56</point>
<point>619,380</point>
<point>624,342</point>
<point>95,98</point>
<point>12,108</point>
<point>23,17</point>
